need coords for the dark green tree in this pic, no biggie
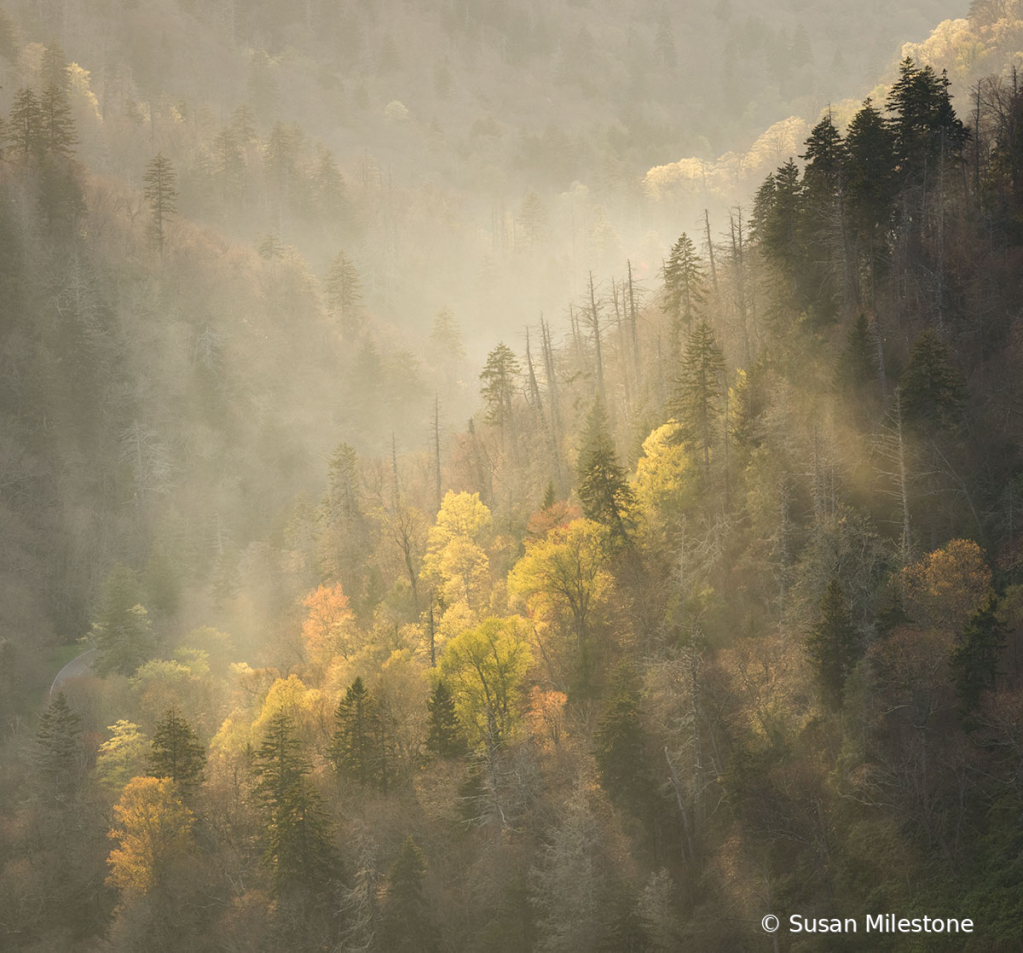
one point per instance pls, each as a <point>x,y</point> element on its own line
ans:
<point>58,128</point>
<point>550,496</point>
<point>176,752</point>
<point>933,391</point>
<point>408,925</point>
<point>620,746</point>
<point>974,661</point>
<point>299,849</point>
<point>122,632</point>
<point>833,646</point>
<point>354,747</point>
<point>26,126</point>
<point>499,378</point>
<point>58,754</point>
<point>699,389</point>
<point>159,181</point>
<point>683,287</point>
<point>604,490</point>
<point>344,296</point>
<point>778,224</point>
<point>445,738</point>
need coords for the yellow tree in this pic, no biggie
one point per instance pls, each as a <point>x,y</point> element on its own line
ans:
<point>947,586</point>
<point>329,626</point>
<point>461,515</point>
<point>154,831</point>
<point>465,571</point>
<point>484,667</point>
<point>563,581</point>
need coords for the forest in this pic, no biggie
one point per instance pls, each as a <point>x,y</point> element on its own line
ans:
<point>435,516</point>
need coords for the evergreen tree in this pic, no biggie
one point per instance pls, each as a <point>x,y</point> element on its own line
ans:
<point>344,296</point>
<point>229,164</point>
<point>53,69</point>
<point>161,195</point>
<point>499,378</point>
<point>329,185</point>
<point>176,751</point>
<point>58,128</point>
<point>354,747</point>
<point>408,925</point>
<point>620,744</point>
<point>122,632</point>
<point>933,390</point>
<point>550,496</point>
<point>59,749</point>
<point>834,646</point>
<point>26,126</point>
<point>683,280</point>
<point>604,490</point>
<point>445,738</point>
<point>344,530</point>
<point>974,661</point>
<point>699,390</point>
<point>298,847</point>
<point>778,215</point>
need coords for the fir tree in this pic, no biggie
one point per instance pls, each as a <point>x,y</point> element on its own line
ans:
<point>354,746</point>
<point>344,296</point>
<point>445,738</point>
<point>162,197</point>
<point>683,278</point>
<point>499,378</point>
<point>59,749</point>
<point>26,125</point>
<point>699,390</point>
<point>58,128</point>
<point>933,390</point>
<point>122,632</point>
<point>834,646</point>
<point>298,847</point>
<point>550,496</point>
<point>604,490</point>
<point>176,751</point>
<point>974,661</point>
<point>620,744</point>
<point>408,925</point>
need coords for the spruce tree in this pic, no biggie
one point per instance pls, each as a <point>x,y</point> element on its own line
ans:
<point>176,751</point>
<point>699,390</point>
<point>298,848</point>
<point>499,378</point>
<point>683,285</point>
<point>408,925</point>
<point>620,744</point>
<point>58,748</point>
<point>445,737</point>
<point>122,632</point>
<point>604,490</point>
<point>58,128</point>
<point>161,195</point>
<point>344,296</point>
<point>834,645</point>
<point>933,390</point>
<point>26,126</point>
<point>354,746</point>
<point>550,496</point>
<point>974,661</point>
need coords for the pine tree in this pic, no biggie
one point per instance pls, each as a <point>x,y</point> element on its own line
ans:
<point>176,751</point>
<point>344,296</point>
<point>161,195</point>
<point>699,390</point>
<point>329,185</point>
<point>229,164</point>
<point>834,646</point>
<point>445,738</point>
<point>779,216</point>
<point>354,747</point>
<point>53,69</point>
<point>122,632</point>
<point>604,491</point>
<point>408,925</point>
<point>974,661</point>
<point>59,749</point>
<point>933,390</point>
<point>298,846</point>
<point>550,496</point>
<point>26,126</point>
